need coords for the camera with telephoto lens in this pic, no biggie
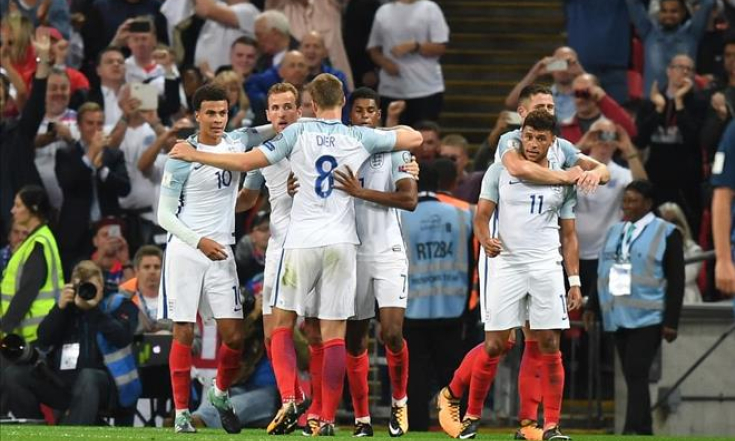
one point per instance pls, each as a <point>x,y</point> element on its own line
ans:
<point>17,351</point>
<point>85,290</point>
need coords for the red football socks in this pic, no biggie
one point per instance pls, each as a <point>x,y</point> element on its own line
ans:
<point>284,362</point>
<point>552,381</point>
<point>316,362</point>
<point>333,377</point>
<point>398,371</point>
<point>461,379</point>
<point>228,365</point>
<point>529,382</point>
<point>357,373</point>
<point>179,361</point>
<point>483,374</point>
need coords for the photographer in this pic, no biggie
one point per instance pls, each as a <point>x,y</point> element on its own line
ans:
<point>84,332</point>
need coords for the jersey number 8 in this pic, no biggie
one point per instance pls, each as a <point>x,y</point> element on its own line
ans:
<point>322,190</point>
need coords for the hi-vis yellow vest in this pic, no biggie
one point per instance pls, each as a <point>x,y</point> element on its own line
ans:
<point>50,290</point>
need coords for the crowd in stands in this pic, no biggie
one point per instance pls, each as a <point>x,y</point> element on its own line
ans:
<point>95,92</point>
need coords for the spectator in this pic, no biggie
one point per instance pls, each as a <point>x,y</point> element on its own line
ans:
<point>144,287</point>
<point>562,90</point>
<point>593,103</point>
<point>250,250</point>
<point>292,70</point>
<point>54,13</point>
<point>57,130</point>
<point>672,34</point>
<point>239,114</point>
<point>111,72</point>
<point>358,19</point>
<point>455,148</point>
<point>16,236</point>
<point>253,392</point>
<point>639,313</point>
<point>107,20</point>
<point>447,184</point>
<point>81,334</point>
<point>17,167</point>
<point>669,125</point>
<point>315,52</point>
<point>429,149</point>
<point>323,17</point>
<point>599,211</point>
<point>437,299</point>
<point>140,66</point>
<point>273,34</point>
<point>11,104</point>
<point>33,278</point>
<point>673,214</point>
<point>593,25</point>
<point>92,177</point>
<point>78,83</point>
<point>409,57</point>
<point>722,103</point>
<point>17,33</point>
<point>111,253</point>
<point>243,55</point>
<point>138,206</point>
<point>225,21</point>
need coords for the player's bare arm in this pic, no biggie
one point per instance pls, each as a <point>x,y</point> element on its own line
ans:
<point>595,173</point>
<point>405,197</point>
<point>570,252</point>
<point>481,224</point>
<point>721,226</point>
<point>527,170</point>
<point>245,162</point>
<point>246,199</point>
<point>406,137</point>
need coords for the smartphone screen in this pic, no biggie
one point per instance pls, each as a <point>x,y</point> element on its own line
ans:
<point>114,231</point>
<point>139,26</point>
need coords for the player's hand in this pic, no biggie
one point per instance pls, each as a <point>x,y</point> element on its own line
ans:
<point>492,247</point>
<point>725,277</point>
<point>348,182</point>
<point>574,298</point>
<point>412,168</point>
<point>669,334</point>
<point>573,174</point>
<point>183,151</point>
<point>588,318</point>
<point>293,185</point>
<point>588,182</point>
<point>212,249</point>
<point>67,296</point>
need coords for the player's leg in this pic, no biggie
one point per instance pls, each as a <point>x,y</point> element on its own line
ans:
<point>529,387</point>
<point>222,298</point>
<point>316,362</point>
<point>358,365</point>
<point>270,272</point>
<point>548,316</point>
<point>182,277</point>
<point>391,291</point>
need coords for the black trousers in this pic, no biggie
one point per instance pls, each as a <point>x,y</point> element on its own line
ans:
<point>92,392</point>
<point>637,349</point>
<point>588,276</point>
<point>417,109</point>
<point>434,352</point>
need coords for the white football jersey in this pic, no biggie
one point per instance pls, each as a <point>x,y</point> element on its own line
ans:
<point>275,177</point>
<point>527,215</point>
<point>206,194</point>
<point>321,215</point>
<point>378,226</point>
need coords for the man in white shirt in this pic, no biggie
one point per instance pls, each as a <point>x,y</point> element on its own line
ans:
<point>111,70</point>
<point>319,249</point>
<point>226,20</point>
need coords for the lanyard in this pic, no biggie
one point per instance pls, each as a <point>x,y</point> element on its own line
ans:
<point>627,242</point>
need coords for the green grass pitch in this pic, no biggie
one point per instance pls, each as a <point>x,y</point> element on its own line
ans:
<point>56,433</point>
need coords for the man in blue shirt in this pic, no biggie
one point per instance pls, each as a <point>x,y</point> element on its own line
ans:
<point>723,211</point>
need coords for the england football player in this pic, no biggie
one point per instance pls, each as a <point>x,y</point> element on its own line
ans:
<point>381,188</point>
<point>196,207</point>
<point>521,275</point>
<point>283,108</point>
<point>320,246</point>
<point>723,208</point>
